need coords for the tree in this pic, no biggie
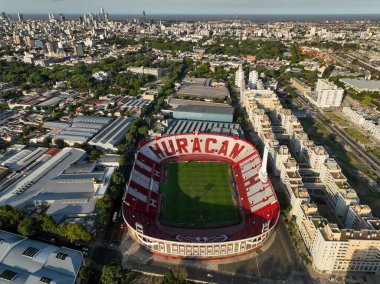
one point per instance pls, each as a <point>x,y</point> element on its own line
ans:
<point>85,269</point>
<point>118,178</point>
<point>9,218</point>
<point>180,273</point>
<point>47,224</point>
<point>94,154</point>
<point>28,227</point>
<point>366,100</point>
<point>47,141</point>
<point>329,69</point>
<point>59,142</point>
<point>176,275</point>
<point>143,130</point>
<point>74,232</point>
<point>111,274</point>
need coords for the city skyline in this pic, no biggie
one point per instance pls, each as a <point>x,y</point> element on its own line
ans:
<point>197,6</point>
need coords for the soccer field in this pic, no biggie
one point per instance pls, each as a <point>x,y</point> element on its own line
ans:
<point>198,194</point>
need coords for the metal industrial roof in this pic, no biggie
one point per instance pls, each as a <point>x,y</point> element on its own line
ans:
<point>22,268</point>
<point>113,133</point>
<point>205,109</point>
<point>202,91</point>
<point>177,126</point>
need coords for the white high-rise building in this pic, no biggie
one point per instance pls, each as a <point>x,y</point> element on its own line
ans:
<point>240,77</point>
<point>329,95</point>
<point>252,79</point>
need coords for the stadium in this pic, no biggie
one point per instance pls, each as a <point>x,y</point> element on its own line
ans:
<point>199,196</point>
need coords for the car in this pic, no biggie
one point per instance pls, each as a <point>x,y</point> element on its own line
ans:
<point>209,275</point>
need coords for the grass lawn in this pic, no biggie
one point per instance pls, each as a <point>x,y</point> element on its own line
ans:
<point>375,151</point>
<point>358,136</point>
<point>198,194</point>
<point>347,160</point>
<point>337,119</point>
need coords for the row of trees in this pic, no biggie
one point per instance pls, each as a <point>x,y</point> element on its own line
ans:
<point>113,273</point>
<point>104,205</point>
<point>12,220</point>
<point>80,77</point>
<point>167,44</point>
<point>296,55</point>
<point>260,48</point>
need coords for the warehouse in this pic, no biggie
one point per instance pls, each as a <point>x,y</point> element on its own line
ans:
<point>188,126</point>
<point>204,92</point>
<point>362,85</point>
<point>61,180</point>
<point>113,134</point>
<point>82,129</point>
<point>23,260</point>
<point>204,113</point>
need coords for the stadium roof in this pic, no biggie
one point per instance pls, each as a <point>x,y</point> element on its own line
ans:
<point>27,261</point>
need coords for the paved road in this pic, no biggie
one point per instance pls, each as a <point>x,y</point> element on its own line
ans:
<point>356,149</point>
<point>276,262</point>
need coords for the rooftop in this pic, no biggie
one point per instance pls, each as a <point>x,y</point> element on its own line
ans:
<point>204,92</point>
<point>205,109</point>
<point>27,261</point>
<point>370,85</point>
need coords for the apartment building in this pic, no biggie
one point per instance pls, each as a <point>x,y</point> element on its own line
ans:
<point>328,94</point>
<point>349,239</point>
<point>360,119</point>
<point>240,77</point>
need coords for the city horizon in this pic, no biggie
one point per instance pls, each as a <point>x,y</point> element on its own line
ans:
<point>196,6</point>
<point>139,138</point>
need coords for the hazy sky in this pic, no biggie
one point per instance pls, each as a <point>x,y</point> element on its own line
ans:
<point>194,6</point>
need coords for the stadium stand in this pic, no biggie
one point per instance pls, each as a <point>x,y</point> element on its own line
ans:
<point>257,199</point>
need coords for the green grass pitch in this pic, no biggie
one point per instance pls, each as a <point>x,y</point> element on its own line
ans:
<point>198,194</point>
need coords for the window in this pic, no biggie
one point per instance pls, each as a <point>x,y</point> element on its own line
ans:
<point>8,275</point>
<point>45,280</point>
<point>61,256</point>
<point>30,252</point>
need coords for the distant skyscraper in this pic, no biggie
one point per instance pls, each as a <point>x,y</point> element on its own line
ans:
<point>78,50</point>
<point>20,17</point>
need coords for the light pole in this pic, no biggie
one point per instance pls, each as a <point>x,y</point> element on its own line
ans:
<point>257,264</point>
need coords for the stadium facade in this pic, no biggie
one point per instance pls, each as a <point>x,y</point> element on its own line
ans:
<point>254,194</point>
